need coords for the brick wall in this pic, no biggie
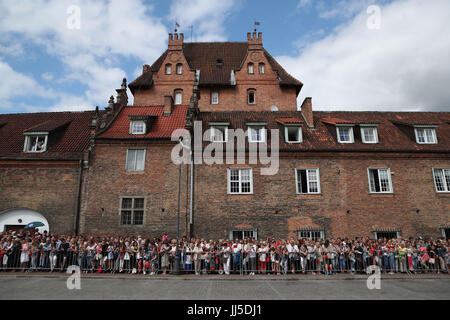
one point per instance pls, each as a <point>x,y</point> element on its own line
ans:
<point>48,188</point>
<point>344,208</point>
<point>106,181</point>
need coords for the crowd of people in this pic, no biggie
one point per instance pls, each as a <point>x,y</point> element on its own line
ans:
<point>33,251</point>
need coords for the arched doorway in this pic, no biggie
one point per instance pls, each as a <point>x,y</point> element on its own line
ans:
<point>17,219</point>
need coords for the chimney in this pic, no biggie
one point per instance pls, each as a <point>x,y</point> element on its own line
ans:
<point>254,42</point>
<point>168,105</point>
<point>306,110</point>
<point>145,68</point>
<point>176,41</point>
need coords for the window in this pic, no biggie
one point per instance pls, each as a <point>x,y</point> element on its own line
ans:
<point>386,234</point>
<point>240,181</point>
<point>243,234</point>
<point>446,233</point>
<point>293,134</point>
<point>380,180</point>
<point>261,68</point>
<point>135,160</point>
<point>168,68</point>
<point>178,97</point>
<point>132,211</point>
<point>215,98</point>
<point>345,134</point>
<point>256,134</point>
<point>442,180</point>
<point>308,181</point>
<point>251,97</point>
<point>219,134</point>
<point>35,143</point>
<point>137,127</point>
<point>426,135</point>
<point>369,135</point>
<point>313,235</point>
<point>179,68</point>
<point>250,68</point>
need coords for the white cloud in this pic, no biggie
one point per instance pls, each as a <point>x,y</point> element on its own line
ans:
<point>207,17</point>
<point>402,66</point>
<point>109,31</point>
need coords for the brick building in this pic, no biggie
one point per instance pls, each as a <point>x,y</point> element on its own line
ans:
<point>339,173</point>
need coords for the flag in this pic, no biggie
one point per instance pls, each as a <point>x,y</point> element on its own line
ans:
<point>257,23</point>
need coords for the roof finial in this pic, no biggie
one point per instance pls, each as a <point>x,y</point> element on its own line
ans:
<point>257,23</point>
<point>124,83</point>
<point>176,27</point>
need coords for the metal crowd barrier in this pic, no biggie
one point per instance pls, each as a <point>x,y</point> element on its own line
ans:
<point>217,263</point>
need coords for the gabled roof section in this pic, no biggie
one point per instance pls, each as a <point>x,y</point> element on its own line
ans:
<point>161,126</point>
<point>204,56</point>
<point>67,144</point>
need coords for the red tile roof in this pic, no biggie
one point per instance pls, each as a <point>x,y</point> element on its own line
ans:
<point>66,143</point>
<point>392,138</point>
<point>161,126</point>
<point>290,120</point>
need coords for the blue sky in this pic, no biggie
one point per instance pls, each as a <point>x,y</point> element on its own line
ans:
<point>403,64</point>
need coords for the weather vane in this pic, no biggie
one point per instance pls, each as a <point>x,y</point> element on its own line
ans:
<point>176,26</point>
<point>257,23</point>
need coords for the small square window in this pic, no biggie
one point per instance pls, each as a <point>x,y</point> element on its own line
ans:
<point>369,135</point>
<point>426,135</point>
<point>308,181</point>
<point>380,180</point>
<point>257,134</point>
<point>240,181</point>
<point>35,143</point>
<point>137,127</point>
<point>293,134</point>
<point>219,134</point>
<point>345,134</point>
<point>132,211</point>
<point>215,98</point>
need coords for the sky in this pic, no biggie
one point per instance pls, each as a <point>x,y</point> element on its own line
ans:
<point>378,55</point>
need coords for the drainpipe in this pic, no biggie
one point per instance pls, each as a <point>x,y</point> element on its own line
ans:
<point>191,209</point>
<point>80,182</point>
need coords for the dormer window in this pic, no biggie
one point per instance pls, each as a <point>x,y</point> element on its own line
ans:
<point>250,68</point>
<point>168,68</point>
<point>36,142</point>
<point>179,68</point>
<point>293,134</point>
<point>137,127</point>
<point>369,134</point>
<point>219,133</point>
<point>345,134</point>
<point>261,68</point>
<point>426,135</point>
<point>256,133</point>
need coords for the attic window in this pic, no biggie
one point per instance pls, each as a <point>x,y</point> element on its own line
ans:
<point>137,127</point>
<point>179,68</point>
<point>261,68</point>
<point>168,68</point>
<point>426,135</point>
<point>250,68</point>
<point>219,63</point>
<point>36,142</point>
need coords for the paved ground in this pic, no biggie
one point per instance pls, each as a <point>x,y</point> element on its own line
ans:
<point>46,286</point>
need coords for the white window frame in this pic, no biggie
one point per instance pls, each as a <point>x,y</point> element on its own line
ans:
<point>255,233</point>
<point>433,131</point>
<point>379,180</point>
<point>135,160</point>
<point>351,135</point>
<point>363,137</point>
<point>286,133</point>
<point>168,69</point>
<point>251,68</point>
<point>135,122</point>
<point>240,181</point>
<point>319,190</point>
<point>263,133</point>
<point>375,233</point>
<point>179,100</point>
<point>447,189</point>
<point>179,67</point>
<point>215,95</point>
<point>30,136</point>
<point>261,68</point>
<point>212,129</point>
<point>322,234</point>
